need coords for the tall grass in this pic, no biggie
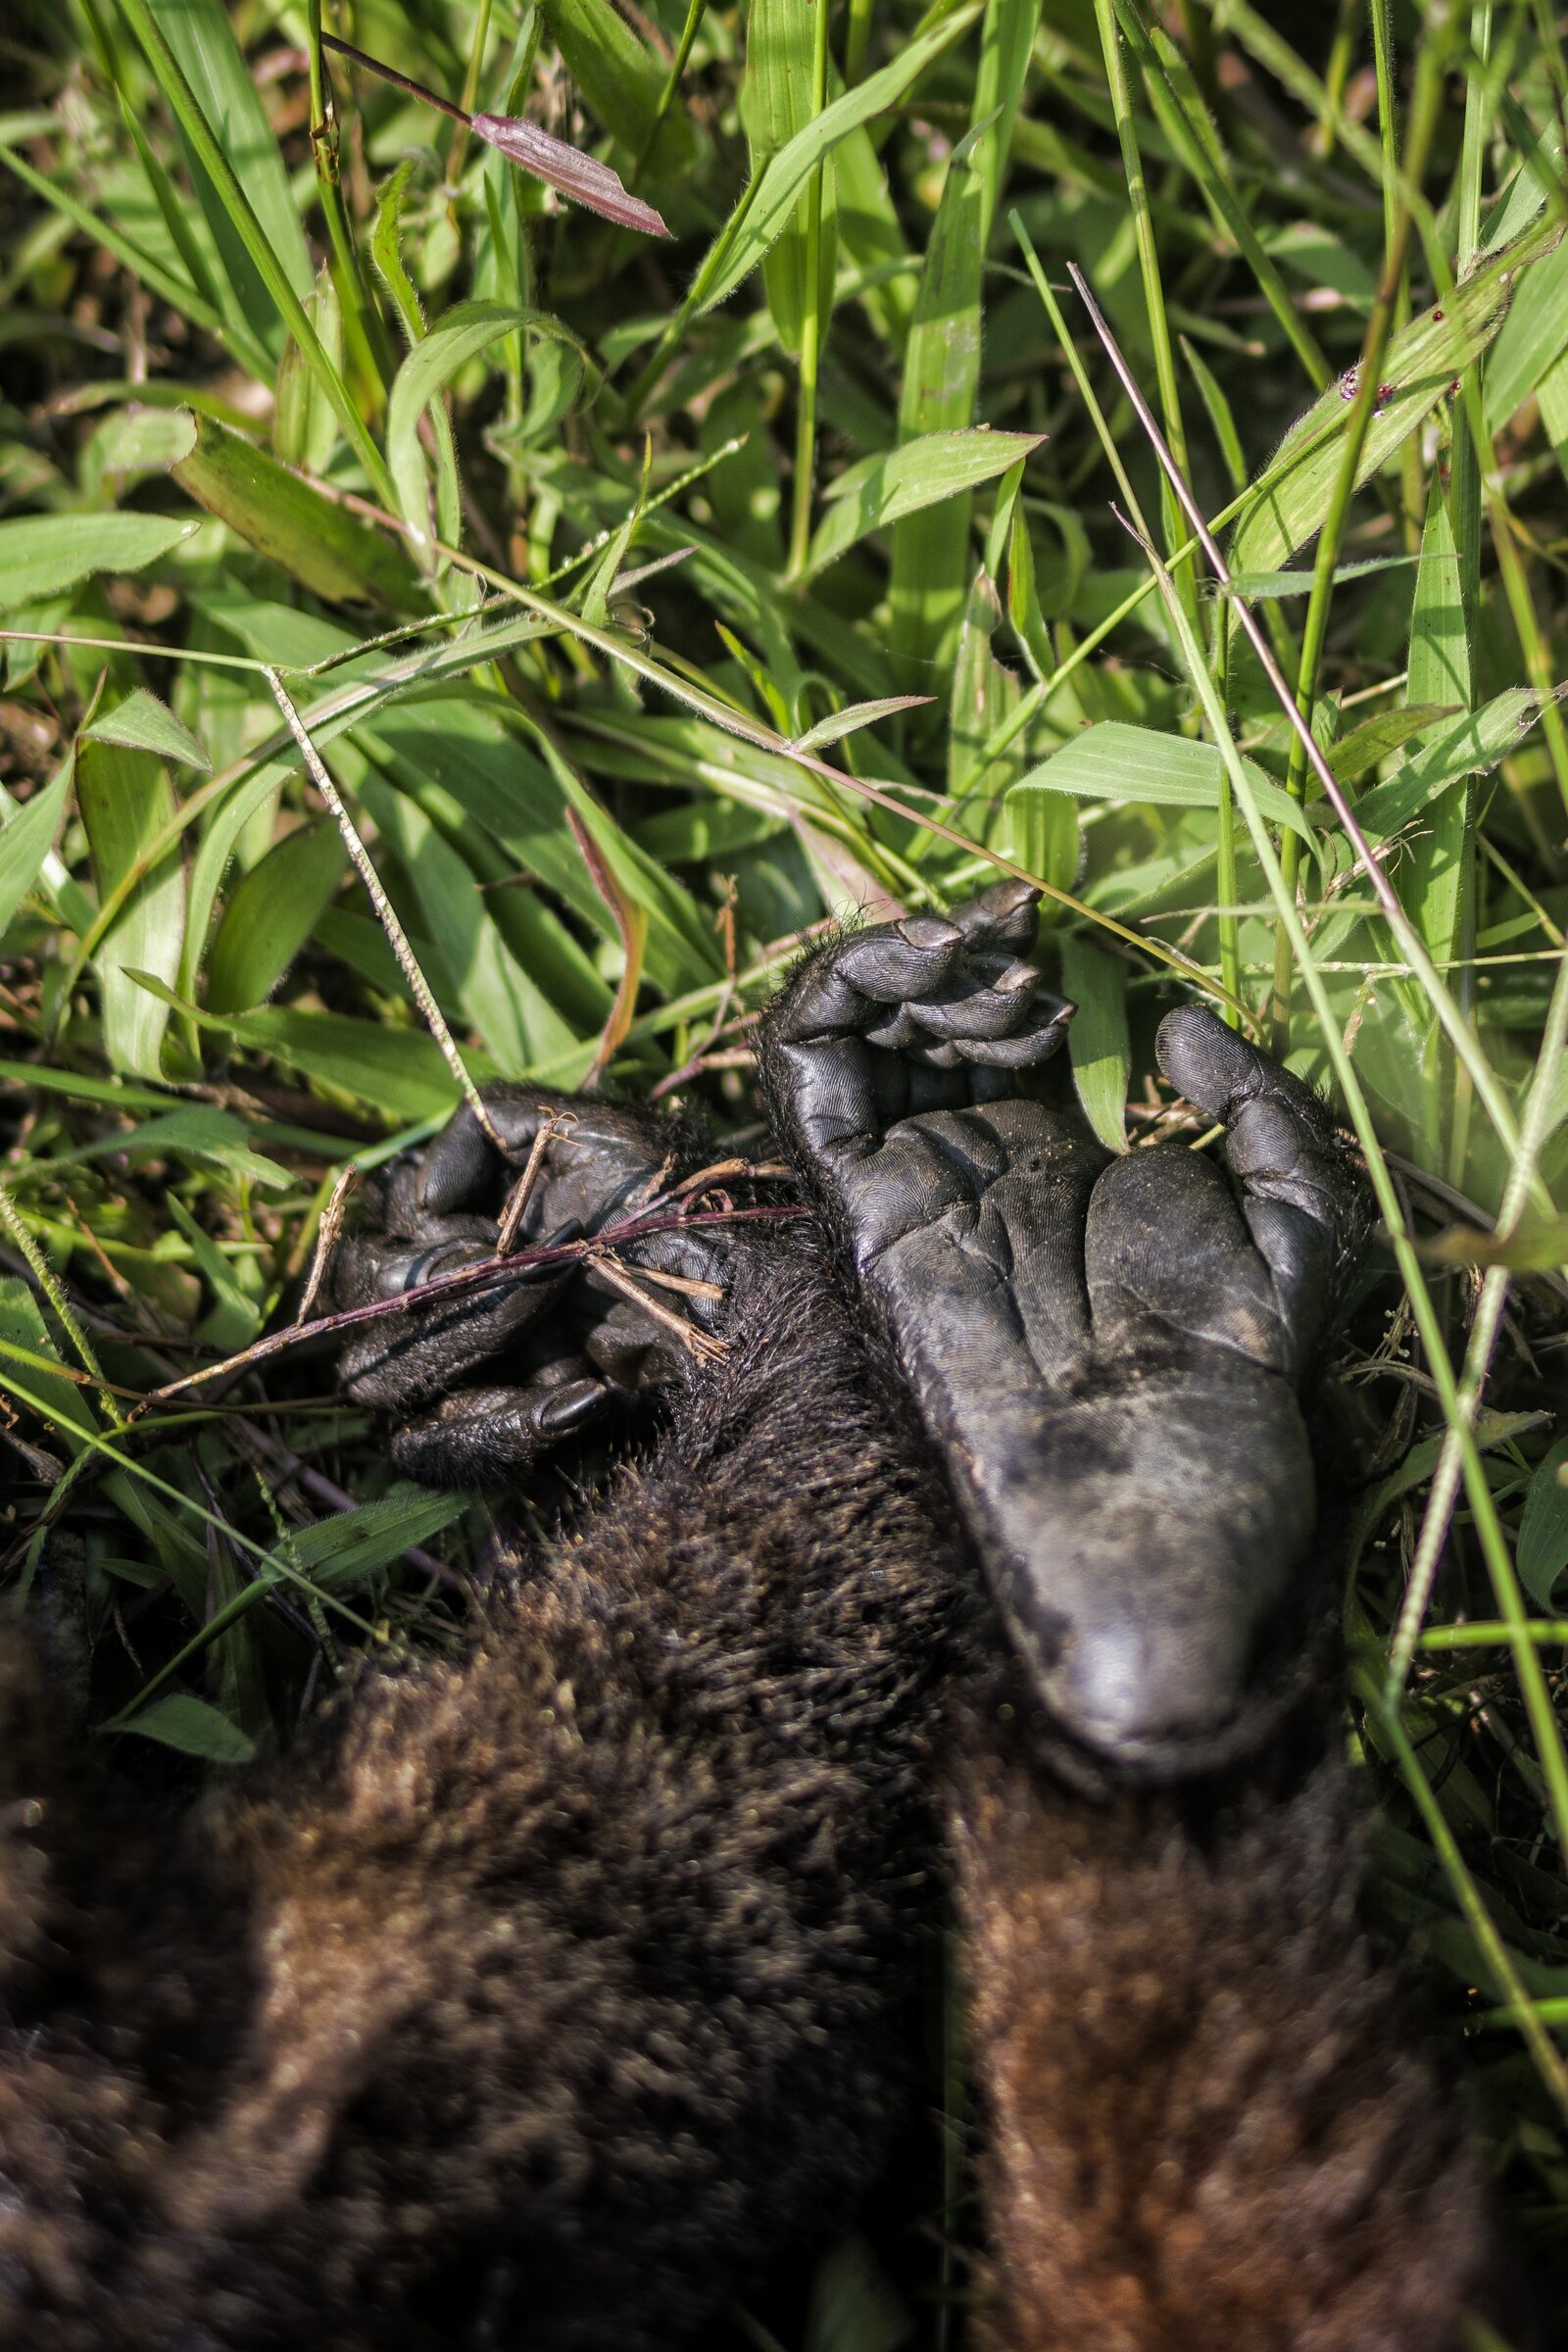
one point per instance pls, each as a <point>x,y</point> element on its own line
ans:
<point>647,602</point>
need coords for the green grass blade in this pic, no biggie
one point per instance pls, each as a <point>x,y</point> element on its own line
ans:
<point>931,561</point>
<point>771,198</point>
<point>125,802</point>
<point>877,492</point>
<point>275,271</point>
<point>200,39</point>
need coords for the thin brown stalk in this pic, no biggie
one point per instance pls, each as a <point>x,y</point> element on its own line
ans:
<point>555,1122</point>
<point>386,914</point>
<point>701,1344</point>
<point>349,1179</point>
<point>1410,942</point>
<point>466,1279</point>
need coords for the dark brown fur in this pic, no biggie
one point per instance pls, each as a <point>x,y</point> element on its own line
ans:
<point>551,1991</point>
<point>545,1996</point>
<point>1208,2123</point>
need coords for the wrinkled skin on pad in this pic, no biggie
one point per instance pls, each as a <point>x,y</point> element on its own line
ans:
<point>1107,1351</point>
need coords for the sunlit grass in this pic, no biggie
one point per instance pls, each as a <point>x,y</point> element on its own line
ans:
<point>650,603</point>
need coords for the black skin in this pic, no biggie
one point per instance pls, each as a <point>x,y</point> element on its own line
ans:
<point>1107,1352</point>
<point>573,1347</point>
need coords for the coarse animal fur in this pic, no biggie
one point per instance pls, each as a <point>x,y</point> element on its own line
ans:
<point>1207,2122</point>
<point>544,1995</point>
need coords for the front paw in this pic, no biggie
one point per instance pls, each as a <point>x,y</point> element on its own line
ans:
<point>486,1380</point>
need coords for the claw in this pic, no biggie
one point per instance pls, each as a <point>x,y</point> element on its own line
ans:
<point>1007,915</point>
<point>570,1407</point>
<point>1015,979</point>
<point>928,931</point>
<point>412,1269</point>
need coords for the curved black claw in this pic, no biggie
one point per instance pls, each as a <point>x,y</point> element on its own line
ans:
<point>1106,1351</point>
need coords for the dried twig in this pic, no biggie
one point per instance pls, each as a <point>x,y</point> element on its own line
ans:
<point>348,1178</point>
<point>699,1342</point>
<point>397,937</point>
<point>556,1122</point>
<point>466,1279</point>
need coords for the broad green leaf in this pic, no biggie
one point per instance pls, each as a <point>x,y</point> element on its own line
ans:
<point>1433,882</point>
<point>621,82</point>
<point>235,1318</point>
<point>1291,501</point>
<point>676,926</point>
<point>271,914</point>
<point>1098,1041</point>
<point>1255,586</point>
<point>235,1678</point>
<point>143,723</point>
<point>1040,831</point>
<point>880,489</point>
<point>159,277</point>
<point>1221,418</point>
<point>60,1400</point>
<point>1023,595</point>
<point>386,249</point>
<point>1375,739</point>
<point>1311,250</point>
<point>125,802</point>
<point>42,554</point>
<point>353,1544</point>
<point>305,423</point>
<point>1441,755</point>
<point>1530,342</point>
<point>199,1130</point>
<point>77,1087</point>
<point>398,1072</point>
<point>129,447</point>
<point>931,561</point>
<point>28,837</point>
<point>1007,42</point>
<point>771,198</point>
<point>984,694</point>
<point>1184,118</point>
<point>1551,395</point>
<point>1535,1246</point>
<point>1118,763</point>
<point>324,547</point>
<point>515,1021</point>
<point>1543,1552</point>
<point>181,1720</point>
<point>502,807</point>
<point>873,235</point>
<point>1526,196</point>
<point>249,800</point>
<point>700,832</point>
